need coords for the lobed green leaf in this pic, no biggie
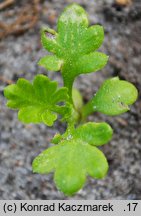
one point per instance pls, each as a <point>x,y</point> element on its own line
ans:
<point>74,45</point>
<point>79,160</point>
<point>37,102</point>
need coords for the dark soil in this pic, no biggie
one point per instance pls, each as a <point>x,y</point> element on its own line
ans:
<point>20,143</point>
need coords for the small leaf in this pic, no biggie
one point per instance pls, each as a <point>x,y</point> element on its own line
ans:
<point>37,102</point>
<point>114,96</point>
<point>94,133</point>
<point>50,63</point>
<point>71,161</point>
<point>56,139</point>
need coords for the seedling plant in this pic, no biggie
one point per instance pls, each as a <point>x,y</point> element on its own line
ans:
<point>76,152</point>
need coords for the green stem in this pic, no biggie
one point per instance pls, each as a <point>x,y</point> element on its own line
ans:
<point>68,83</point>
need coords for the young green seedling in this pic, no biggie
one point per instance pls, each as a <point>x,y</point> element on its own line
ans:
<point>76,154</point>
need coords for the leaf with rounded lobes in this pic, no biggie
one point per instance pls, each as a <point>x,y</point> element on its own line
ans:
<point>114,97</point>
<point>91,40</point>
<point>50,62</point>
<point>46,161</point>
<point>71,161</point>
<point>90,63</point>
<point>74,45</point>
<point>38,101</point>
<point>72,24</point>
<point>48,40</point>
<point>96,134</point>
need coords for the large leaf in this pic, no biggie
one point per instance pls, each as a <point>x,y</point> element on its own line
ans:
<point>71,161</point>
<point>37,101</point>
<point>79,156</point>
<point>74,45</point>
<point>113,97</point>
